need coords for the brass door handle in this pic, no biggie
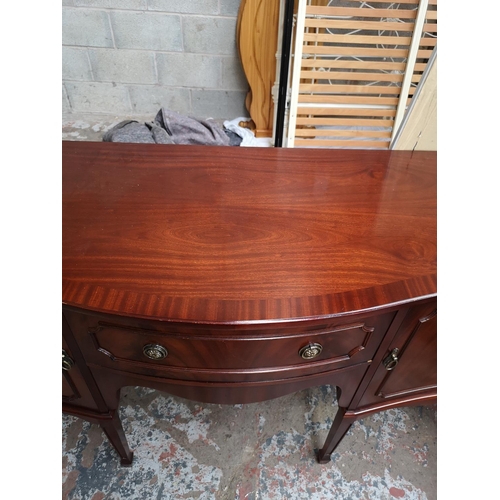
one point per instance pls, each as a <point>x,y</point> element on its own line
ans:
<point>67,362</point>
<point>392,360</point>
<point>154,351</point>
<point>310,351</point>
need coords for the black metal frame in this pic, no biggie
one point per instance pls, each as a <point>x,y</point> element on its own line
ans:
<point>285,64</point>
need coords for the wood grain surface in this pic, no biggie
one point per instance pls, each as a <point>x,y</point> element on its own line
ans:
<point>236,235</point>
<point>257,35</point>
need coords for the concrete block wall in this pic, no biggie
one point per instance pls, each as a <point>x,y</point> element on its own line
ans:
<point>132,57</point>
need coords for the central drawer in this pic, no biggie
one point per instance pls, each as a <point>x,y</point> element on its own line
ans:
<point>184,350</point>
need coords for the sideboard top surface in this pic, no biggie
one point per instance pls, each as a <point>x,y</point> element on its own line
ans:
<point>231,234</point>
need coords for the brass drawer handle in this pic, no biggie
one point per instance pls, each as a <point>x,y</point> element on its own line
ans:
<point>392,360</point>
<point>310,351</point>
<point>155,351</point>
<point>67,362</point>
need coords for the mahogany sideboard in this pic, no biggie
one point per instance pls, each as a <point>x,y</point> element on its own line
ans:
<point>235,275</point>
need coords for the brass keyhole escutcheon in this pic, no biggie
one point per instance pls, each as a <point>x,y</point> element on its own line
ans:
<point>310,351</point>
<point>154,351</point>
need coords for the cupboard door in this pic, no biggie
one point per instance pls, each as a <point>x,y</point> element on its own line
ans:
<point>409,367</point>
<point>74,389</point>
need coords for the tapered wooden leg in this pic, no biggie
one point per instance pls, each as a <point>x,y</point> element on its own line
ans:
<point>114,431</point>
<point>338,430</point>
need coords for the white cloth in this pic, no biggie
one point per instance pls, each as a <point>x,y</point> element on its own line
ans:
<point>247,136</point>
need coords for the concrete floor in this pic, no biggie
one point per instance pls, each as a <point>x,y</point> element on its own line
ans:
<point>188,450</point>
<point>84,127</point>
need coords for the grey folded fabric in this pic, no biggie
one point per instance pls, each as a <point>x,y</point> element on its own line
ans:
<point>188,130</point>
<point>159,134</point>
<point>170,127</point>
<point>234,138</point>
<point>128,131</point>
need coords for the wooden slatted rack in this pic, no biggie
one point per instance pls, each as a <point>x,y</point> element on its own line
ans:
<point>356,67</point>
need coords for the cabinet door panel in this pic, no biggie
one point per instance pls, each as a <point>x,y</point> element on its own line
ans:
<point>74,388</point>
<point>416,368</point>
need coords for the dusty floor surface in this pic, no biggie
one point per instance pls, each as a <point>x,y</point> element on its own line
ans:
<point>91,127</point>
<point>187,450</point>
<point>183,449</point>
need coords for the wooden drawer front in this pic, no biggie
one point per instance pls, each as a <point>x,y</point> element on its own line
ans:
<point>74,389</point>
<point>345,343</point>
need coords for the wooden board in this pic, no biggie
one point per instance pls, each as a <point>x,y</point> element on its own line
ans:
<point>419,131</point>
<point>257,43</point>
